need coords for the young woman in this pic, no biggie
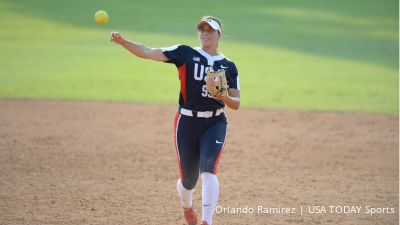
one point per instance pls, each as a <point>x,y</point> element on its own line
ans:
<point>200,123</point>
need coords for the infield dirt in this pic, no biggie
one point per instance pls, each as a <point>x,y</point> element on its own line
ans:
<point>115,163</point>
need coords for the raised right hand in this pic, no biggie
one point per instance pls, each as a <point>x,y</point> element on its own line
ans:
<point>116,37</point>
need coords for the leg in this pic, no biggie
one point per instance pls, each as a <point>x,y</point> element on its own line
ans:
<point>212,144</point>
<point>185,194</point>
<point>188,161</point>
<point>187,150</point>
<point>186,199</point>
<point>211,147</point>
<point>209,196</point>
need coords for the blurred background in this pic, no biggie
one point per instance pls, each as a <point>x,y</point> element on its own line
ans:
<point>307,55</point>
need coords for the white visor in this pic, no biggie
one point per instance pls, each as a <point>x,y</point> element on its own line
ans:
<point>214,24</point>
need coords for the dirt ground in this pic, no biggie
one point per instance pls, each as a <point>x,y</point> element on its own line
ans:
<point>114,163</point>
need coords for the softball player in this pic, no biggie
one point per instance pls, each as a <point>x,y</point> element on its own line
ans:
<point>200,123</point>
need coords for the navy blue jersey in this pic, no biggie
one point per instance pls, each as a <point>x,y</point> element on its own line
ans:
<point>192,64</point>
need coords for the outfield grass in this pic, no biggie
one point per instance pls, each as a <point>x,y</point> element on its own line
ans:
<point>310,55</point>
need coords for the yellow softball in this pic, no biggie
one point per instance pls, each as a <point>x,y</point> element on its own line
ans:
<point>101,17</point>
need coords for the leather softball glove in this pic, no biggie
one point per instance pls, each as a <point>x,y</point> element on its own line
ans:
<point>216,83</point>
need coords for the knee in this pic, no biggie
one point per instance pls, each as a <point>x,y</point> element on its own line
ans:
<point>209,166</point>
<point>188,183</point>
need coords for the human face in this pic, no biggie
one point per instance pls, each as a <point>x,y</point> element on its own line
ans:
<point>208,36</point>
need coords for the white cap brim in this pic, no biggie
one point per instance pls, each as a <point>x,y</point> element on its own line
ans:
<point>214,24</point>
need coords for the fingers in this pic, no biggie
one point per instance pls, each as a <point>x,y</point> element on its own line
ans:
<point>115,36</point>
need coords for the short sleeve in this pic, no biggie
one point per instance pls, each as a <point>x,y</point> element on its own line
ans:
<point>175,54</point>
<point>233,77</point>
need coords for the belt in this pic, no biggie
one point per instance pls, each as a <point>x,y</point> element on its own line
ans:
<point>205,114</point>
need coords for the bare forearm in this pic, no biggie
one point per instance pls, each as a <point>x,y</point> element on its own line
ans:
<point>232,102</point>
<point>136,48</point>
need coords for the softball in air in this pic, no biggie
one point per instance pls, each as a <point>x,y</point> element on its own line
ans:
<point>101,17</point>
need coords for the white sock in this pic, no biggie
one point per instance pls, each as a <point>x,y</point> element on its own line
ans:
<point>185,194</point>
<point>209,196</point>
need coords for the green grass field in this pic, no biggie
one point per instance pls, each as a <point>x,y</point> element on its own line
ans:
<point>308,55</point>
